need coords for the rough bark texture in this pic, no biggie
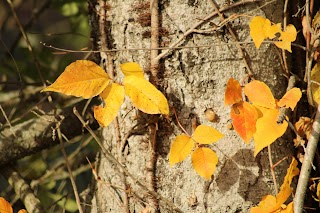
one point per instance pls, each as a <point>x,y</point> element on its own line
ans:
<point>193,80</point>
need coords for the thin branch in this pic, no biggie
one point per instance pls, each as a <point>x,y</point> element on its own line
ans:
<point>112,159</point>
<point>22,189</point>
<point>272,170</point>
<point>284,57</point>
<point>307,164</point>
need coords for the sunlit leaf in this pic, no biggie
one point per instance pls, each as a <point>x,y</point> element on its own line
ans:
<point>22,211</point>
<point>315,85</point>
<point>131,68</point>
<point>260,94</point>
<point>233,93</point>
<point>204,161</point>
<point>82,79</point>
<point>244,117</point>
<point>290,99</point>
<point>145,96</point>
<point>268,130</point>
<point>180,149</point>
<point>113,97</point>
<point>287,37</point>
<point>266,205</point>
<point>5,206</point>
<point>206,135</point>
<point>261,28</point>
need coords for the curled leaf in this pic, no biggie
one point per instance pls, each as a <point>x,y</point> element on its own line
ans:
<point>145,96</point>
<point>180,149</point>
<point>204,161</point>
<point>113,97</point>
<point>82,79</point>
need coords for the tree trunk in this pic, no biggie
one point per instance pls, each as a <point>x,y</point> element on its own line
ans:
<point>193,80</point>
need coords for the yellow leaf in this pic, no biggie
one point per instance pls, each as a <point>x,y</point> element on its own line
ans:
<point>290,99</point>
<point>268,130</point>
<point>145,96</point>
<point>82,79</point>
<point>266,205</point>
<point>286,38</point>
<point>288,209</point>
<point>180,149</point>
<point>22,211</point>
<point>113,97</point>
<point>261,28</point>
<point>233,92</point>
<point>131,68</point>
<point>244,117</point>
<point>285,189</point>
<point>204,161</point>
<point>206,135</point>
<point>260,94</point>
<point>5,206</point>
<point>315,86</point>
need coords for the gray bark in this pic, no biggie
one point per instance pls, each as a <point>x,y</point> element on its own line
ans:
<point>193,80</point>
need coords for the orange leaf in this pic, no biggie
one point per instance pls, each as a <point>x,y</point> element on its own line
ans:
<point>268,130</point>
<point>180,149</point>
<point>5,206</point>
<point>82,79</point>
<point>206,135</point>
<point>233,92</point>
<point>260,94</point>
<point>22,211</point>
<point>145,96</point>
<point>244,117</point>
<point>261,28</point>
<point>131,68</point>
<point>113,97</point>
<point>266,205</point>
<point>290,99</point>
<point>286,38</point>
<point>204,161</point>
<point>285,189</point>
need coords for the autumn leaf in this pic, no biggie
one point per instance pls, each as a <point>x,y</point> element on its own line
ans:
<point>261,28</point>
<point>131,68</point>
<point>181,147</point>
<point>145,96</point>
<point>206,135</point>
<point>260,94</point>
<point>270,203</point>
<point>113,97</point>
<point>290,99</point>
<point>315,83</point>
<point>82,79</point>
<point>233,92</point>
<point>22,211</point>
<point>286,38</point>
<point>244,117</point>
<point>268,130</point>
<point>5,206</point>
<point>204,161</point>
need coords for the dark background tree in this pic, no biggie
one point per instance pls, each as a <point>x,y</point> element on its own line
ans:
<point>192,79</point>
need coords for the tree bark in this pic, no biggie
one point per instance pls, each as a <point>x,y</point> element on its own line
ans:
<point>193,80</point>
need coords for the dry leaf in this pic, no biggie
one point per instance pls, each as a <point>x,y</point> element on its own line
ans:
<point>181,147</point>
<point>145,96</point>
<point>82,79</point>
<point>204,161</point>
<point>113,97</point>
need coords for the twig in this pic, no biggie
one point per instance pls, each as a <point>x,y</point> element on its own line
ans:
<point>272,170</point>
<point>234,36</point>
<point>8,122</point>
<point>22,189</point>
<point>307,164</point>
<point>73,183</point>
<point>284,28</point>
<point>112,159</point>
<point>36,62</point>
<point>203,20</point>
